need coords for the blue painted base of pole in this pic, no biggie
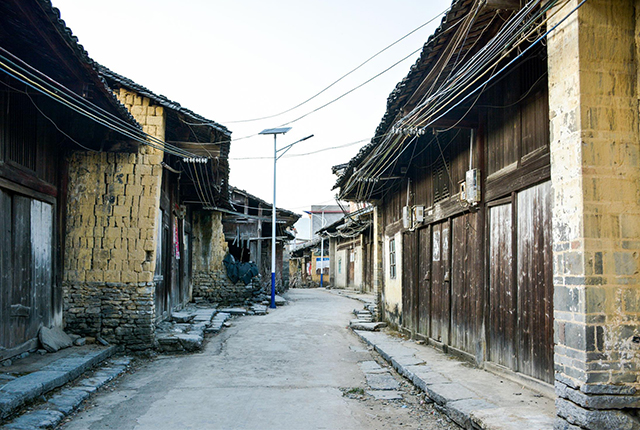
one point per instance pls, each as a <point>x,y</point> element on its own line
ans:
<point>273,290</point>
<point>320,279</point>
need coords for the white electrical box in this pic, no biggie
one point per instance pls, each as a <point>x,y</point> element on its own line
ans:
<point>472,186</point>
<point>418,214</point>
<point>406,217</point>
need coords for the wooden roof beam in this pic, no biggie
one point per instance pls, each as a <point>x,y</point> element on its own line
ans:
<point>502,4</point>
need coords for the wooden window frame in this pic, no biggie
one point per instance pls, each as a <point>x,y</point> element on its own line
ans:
<point>392,258</point>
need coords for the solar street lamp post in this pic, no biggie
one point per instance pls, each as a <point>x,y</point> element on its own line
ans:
<point>277,153</point>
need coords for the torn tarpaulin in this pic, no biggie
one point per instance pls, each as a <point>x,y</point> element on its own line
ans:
<point>237,270</point>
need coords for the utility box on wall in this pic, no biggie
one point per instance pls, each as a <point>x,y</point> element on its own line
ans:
<point>472,186</point>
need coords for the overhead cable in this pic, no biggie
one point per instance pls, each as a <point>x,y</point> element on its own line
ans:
<point>345,75</point>
<point>42,83</point>
<point>432,108</point>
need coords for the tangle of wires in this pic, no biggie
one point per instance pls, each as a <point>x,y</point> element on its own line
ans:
<point>441,92</point>
<point>40,82</point>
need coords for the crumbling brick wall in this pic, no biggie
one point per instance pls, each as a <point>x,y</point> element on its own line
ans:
<point>112,216</point>
<point>210,281</point>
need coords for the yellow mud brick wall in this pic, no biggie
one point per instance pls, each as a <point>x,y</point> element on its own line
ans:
<point>113,206</point>
<point>112,227</point>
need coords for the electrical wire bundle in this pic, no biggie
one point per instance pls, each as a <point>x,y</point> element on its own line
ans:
<point>22,72</point>
<point>350,231</point>
<point>197,168</point>
<point>463,81</point>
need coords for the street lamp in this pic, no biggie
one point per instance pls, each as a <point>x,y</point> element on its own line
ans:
<point>322,249</point>
<point>282,151</point>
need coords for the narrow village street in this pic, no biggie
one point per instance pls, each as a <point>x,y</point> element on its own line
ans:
<point>298,367</point>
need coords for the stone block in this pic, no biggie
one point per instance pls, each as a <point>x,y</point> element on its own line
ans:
<point>381,381</point>
<point>67,401</point>
<point>155,121</point>
<point>595,419</point>
<point>448,392</point>
<point>461,411</point>
<point>626,263</point>
<point>38,419</point>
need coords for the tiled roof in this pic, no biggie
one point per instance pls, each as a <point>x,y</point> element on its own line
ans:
<point>53,14</point>
<point>405,89</point>
<point>285,212</point>
<point>160,99</point>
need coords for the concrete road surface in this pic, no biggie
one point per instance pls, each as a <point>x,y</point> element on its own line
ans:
<point>296,368</point>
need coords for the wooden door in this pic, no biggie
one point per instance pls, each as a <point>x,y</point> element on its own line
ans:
<point>351,267</point>
<point>6,272</point>
<point>409,285</point>
<point>423,258</point>
<point>185,263</point>
<point>535,283</point>
<point>467,298</point>
<point>502,288</point>
<point>440,282</point>
<point>162,277</point>
<point>26,270</point>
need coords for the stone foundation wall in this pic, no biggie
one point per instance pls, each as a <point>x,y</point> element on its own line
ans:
<point>121,314</point>
<point>215,287</point>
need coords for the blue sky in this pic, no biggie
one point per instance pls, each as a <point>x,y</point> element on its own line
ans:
<point>235,60</point>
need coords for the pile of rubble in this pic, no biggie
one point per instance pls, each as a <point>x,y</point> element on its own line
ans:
<point>185,330</point>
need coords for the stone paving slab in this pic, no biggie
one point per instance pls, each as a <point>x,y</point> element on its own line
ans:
<point>204,315</point>
<point>381,381</point>
<point>234,311</point>
<point>371,367</point>
<point>36,420</point>
<point>385,394</point>
<point>472,397</point>
<point>442,394</point>
<point>513,418</point>
<point>67,401</point>
<point>20,391</point>
<point>52,412</point>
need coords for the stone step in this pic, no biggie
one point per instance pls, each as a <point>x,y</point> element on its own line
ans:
<point>22,390</point>
<point>50,413</point>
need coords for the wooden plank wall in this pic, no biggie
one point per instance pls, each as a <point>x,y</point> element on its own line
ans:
<point>480,276</point>
<point>535,282</point>
<point>502,294</point>
<point>26,268</point>
<point>423,257</point>
<point>409,301</point>
<point>467,298</point>
<point>6,278</point>
<point>440,300</point>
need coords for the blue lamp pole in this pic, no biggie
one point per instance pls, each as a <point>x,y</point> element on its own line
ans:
<point>282,151</point>
<point>322,252</point>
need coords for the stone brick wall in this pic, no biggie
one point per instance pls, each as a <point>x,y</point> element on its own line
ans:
<point>210,282</point>
<point>215,287</point>
<point>112,213</point>
<point>595,172</point>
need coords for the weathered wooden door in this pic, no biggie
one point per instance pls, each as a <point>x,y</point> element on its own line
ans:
<point>502,288</point>
<point>26,270</point>
<point>174,261</point>
<point>409,287</point>
<point>440,283</point>
<point>535,283</point>
<point>467,298</point>
<point>423,258</point>
<point>185,263</point>
<point>162,277</point>
<point>351,268</point>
